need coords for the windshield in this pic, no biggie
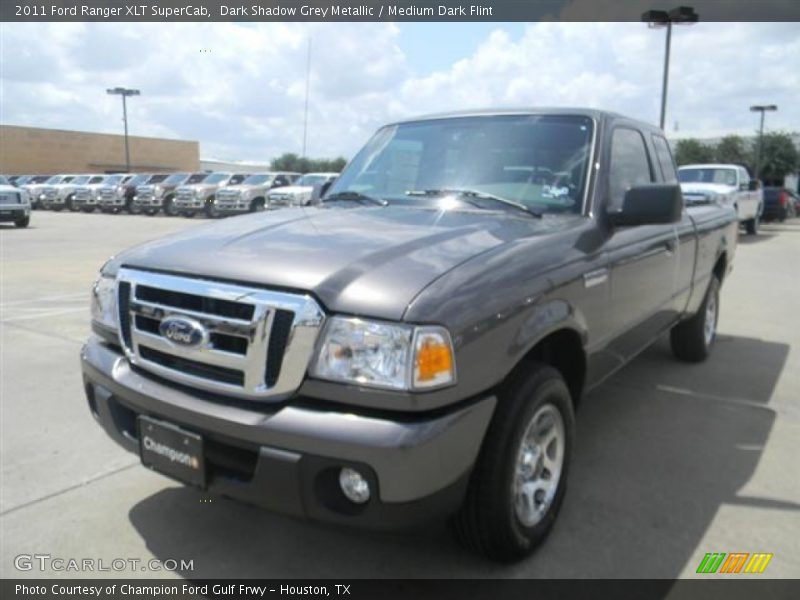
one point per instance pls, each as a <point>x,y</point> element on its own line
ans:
<point>4,180</point>
<point>540,161</point>
<point>709,175</point>
<point>157,179</point>
<point>54,179</point>
<point>258,179</point>
<point>175,179</point>
<point>139,179</point>
<point>196,178</point>
<point>97,179</point>
<point>216,177</point>
<point>113,179</point>
<point>311,180</point>
<point>80,180</point>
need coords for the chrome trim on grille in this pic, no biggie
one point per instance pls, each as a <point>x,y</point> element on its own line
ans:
<point>306,323</point>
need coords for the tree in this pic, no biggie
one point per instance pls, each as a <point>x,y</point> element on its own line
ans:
<point>779,157</point>
<point>733,150</point>
<point>292,162</point>
<point>691,151</point>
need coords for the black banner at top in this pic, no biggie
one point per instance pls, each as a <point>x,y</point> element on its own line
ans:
<point>386,10</point>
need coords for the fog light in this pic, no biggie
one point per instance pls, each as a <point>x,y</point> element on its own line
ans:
<point>354,486</point>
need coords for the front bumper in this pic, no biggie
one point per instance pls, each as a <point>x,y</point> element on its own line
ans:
<point>194,203</point>
<point>148,201</point>
<point>286,458</point>
<point>13,212</point>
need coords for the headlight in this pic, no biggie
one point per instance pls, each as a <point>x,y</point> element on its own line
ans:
<point>158,190</point>
<point>104,301</point>
<point>386,355</point>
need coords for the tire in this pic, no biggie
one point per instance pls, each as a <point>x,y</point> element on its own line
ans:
<point>211,208</point>
<point>495,520</point>
<point>151,212</point>
<point>88,209</point>
<point>71,205</point>
<point>692,340</point>
<point>23,222</point>
<point>257,205</point>
<point>169,207</point>
<point>751,226</point>
<point>188,214</point>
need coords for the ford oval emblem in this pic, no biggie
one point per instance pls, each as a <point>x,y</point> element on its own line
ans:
<point>183,331</point>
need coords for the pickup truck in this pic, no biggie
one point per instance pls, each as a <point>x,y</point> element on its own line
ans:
<point>251,194</point>
<point>414,344</point>
<point>159,192</point>
<point>15,206</point>
<point>726,184</point>
<point>299,193</point>
<point>86,197</point>
<point>201,196</point>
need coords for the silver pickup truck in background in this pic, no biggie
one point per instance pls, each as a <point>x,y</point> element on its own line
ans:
<point>159,192</point>
<point>200,196</point>
<point>251,194</point>
<point>85,197</point>
<point>730,185</point>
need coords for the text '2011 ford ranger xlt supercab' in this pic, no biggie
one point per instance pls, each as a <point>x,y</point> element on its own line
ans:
<point>413,345</point>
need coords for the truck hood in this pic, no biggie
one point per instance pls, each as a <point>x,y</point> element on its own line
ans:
<point>363,261</point>
<point>706,188</point>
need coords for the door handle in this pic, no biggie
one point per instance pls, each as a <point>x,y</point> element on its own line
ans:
<point>596,277</point>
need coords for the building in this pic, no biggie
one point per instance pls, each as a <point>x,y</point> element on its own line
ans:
<point>33,150</point>
<point>212,164</point>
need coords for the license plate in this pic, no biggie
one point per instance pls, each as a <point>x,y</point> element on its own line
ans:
<point>172,451</point>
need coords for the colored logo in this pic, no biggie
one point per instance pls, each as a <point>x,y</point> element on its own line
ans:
<point>183,331</point>
<point>734,562</point>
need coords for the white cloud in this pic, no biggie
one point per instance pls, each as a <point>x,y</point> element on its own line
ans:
<point>242,97</point>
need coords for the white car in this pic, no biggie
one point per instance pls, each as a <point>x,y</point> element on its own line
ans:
<point>728,184</point>
<point>299,193</point>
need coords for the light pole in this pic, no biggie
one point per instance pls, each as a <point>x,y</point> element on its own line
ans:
<point>762,108</point>
<point>124,92</point>
<point>682,15</point>
<point>308,86</point>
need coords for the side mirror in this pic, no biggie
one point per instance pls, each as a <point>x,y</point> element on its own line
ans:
<point>653,204</point>
<point>753,186</point>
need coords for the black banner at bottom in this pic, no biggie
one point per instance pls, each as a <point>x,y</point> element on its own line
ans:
<point>727,588</point>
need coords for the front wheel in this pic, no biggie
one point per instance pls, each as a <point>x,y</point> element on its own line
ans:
<point>169,206</point>
<point>520,478</point>
<point>211,208</point>
<point>257,205</point>
<point>692,340</point>
<point>23,222</point>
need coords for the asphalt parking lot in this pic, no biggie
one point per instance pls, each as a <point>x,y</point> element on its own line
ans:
<point>672,460</point>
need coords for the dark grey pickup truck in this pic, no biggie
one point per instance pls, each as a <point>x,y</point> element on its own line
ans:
<point>414,345</point>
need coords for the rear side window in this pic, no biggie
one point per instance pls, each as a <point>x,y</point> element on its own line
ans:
<point>629,165</point>
<point>665,160</point>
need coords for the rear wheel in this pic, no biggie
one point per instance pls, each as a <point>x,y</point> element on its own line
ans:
<point>692,340</point>
<point>751,225</point>
<point>519,480</point>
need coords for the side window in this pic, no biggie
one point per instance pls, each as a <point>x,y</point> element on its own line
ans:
<point>665,160</point>
<point>280,180</point>
<point>629,165</point>
<point>744,179</point>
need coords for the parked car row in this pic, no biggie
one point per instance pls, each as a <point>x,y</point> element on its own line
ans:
<point>215,194</point>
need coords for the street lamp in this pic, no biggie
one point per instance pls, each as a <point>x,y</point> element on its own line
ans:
<point>682,15</point>
<point>762,108</point>
<point>124,92</point>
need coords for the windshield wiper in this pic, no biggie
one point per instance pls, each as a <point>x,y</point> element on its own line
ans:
<point>467,193</point>
<point>353,197</point>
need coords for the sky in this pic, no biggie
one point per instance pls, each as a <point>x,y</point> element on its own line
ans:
<point>239,88</point>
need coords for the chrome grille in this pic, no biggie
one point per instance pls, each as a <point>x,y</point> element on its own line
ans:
<point>258,343</point>
<point>83,196</point>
